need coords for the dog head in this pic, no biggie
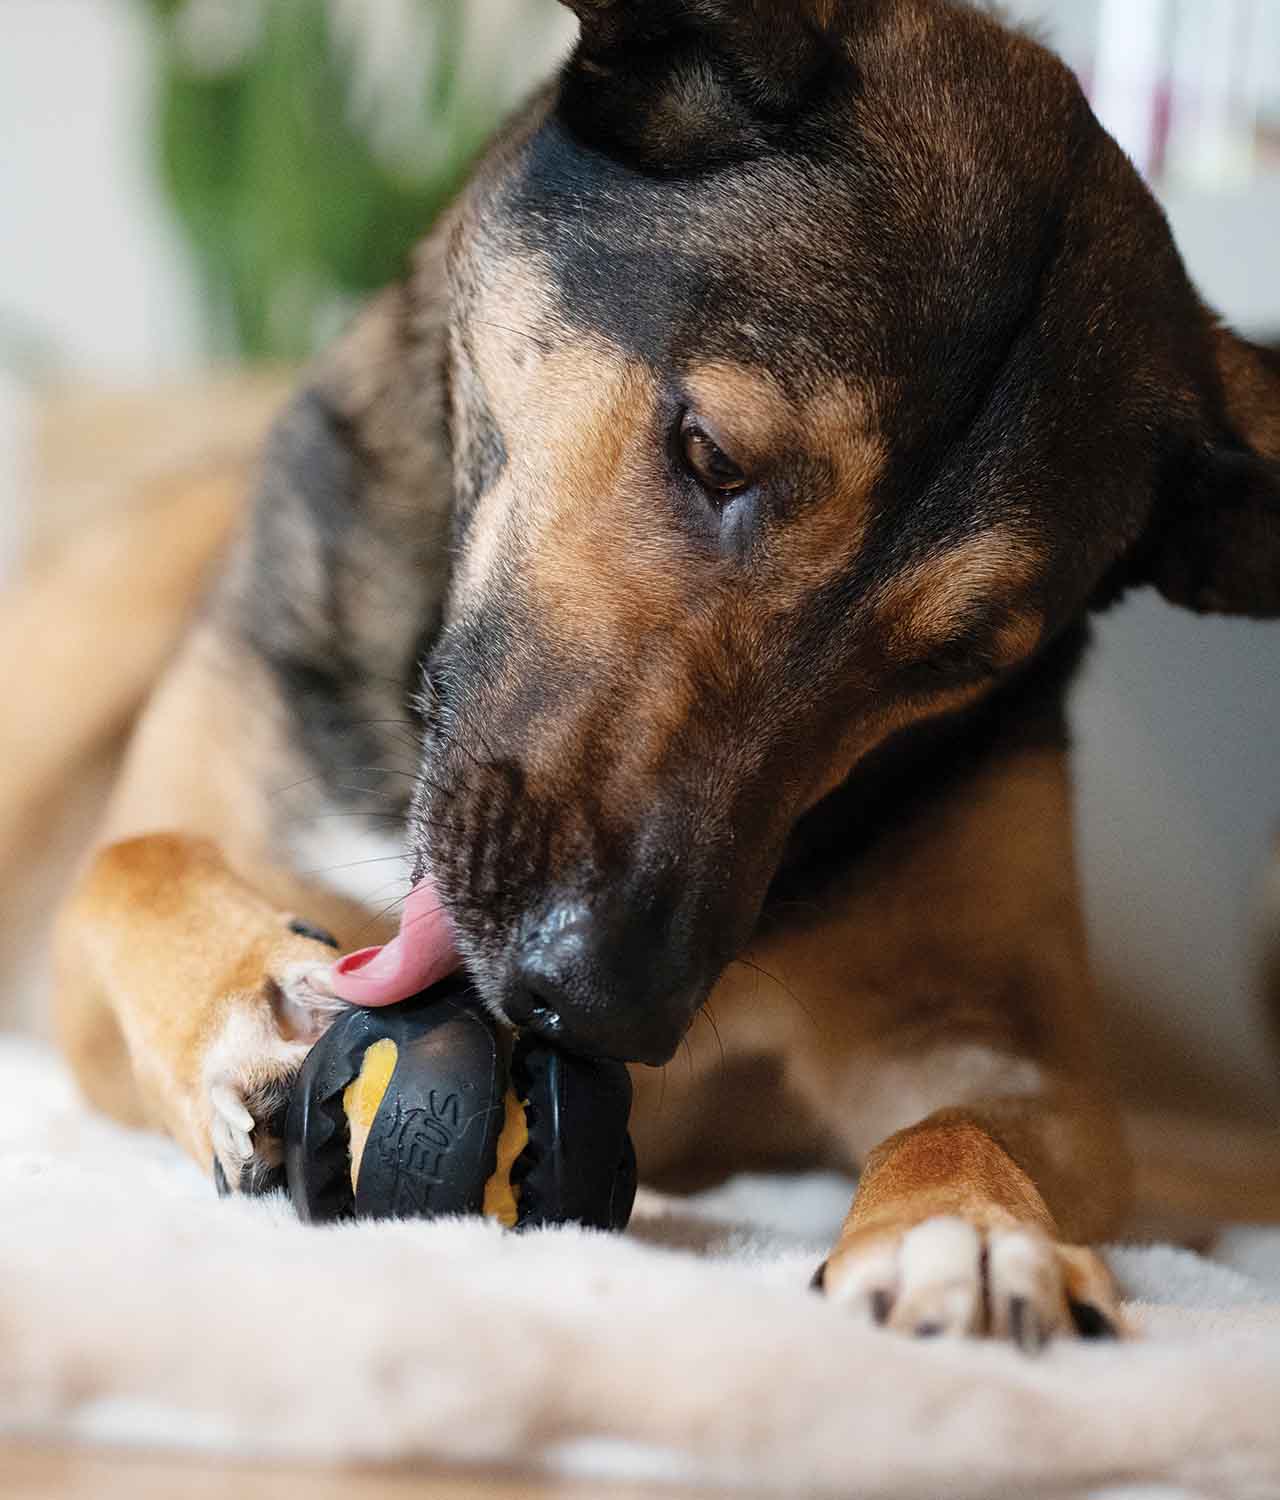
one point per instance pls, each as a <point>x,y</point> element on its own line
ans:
<point>814,364</point>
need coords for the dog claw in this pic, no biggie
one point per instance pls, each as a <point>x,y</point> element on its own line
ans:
<point>232,1136</point>
<point>1091,1322</point>
<point>229,1141</point>
<point>873,1307</point>
<point>248,1072</point>
<point>1025,1326</point>
<point>946,1278</point>
<point>231,1107</point>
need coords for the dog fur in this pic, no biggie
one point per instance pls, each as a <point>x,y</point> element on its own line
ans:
<point>690,556</point>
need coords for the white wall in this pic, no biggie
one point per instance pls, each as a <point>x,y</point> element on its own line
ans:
<point>1178,722</point>
<point>91,268</point>
<point>94,282</point>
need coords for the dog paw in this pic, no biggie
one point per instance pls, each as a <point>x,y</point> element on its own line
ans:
<point>250,1066</point>
<point>248,1079</point>
<point>946,1277</point>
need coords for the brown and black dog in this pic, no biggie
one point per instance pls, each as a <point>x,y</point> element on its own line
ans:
<point>716,508</point>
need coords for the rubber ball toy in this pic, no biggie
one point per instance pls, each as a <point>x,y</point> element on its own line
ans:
<point>428,1108</point>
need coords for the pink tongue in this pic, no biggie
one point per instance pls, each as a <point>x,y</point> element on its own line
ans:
<point>421,955</point>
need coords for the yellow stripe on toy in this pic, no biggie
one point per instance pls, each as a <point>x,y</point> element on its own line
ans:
<point>501,1200</point>
<point>363,1096</point>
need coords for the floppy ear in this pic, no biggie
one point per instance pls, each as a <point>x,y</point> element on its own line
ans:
<point>775,43</point>
<point>1216,544</point>
<point>681,81</point>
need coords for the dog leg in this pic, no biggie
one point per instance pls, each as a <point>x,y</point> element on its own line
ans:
<point>187,1001</point>
<point>952,1233</point>
<point>949,1044</point>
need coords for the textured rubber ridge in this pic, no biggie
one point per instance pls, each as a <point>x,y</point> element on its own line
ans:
<point>579,1166</point>
<point>317,1147</point>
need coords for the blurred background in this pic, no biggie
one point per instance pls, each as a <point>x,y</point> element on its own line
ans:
<point>189,188</point>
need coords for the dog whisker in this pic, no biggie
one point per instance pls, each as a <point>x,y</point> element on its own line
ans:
<point>707,1014</point>
<point>378,916</point>
<point>423,916</point>
<point>390,907</point>
<point>408,733</point>
<point>372,817</point>
<point>324,776</point>
<point>368,791</point>
<point>494,759</point>
<point>800,903</point>
<point>439,787</point>
<point>355,864</point>
<point>748,963</point>
<point>521,333</point>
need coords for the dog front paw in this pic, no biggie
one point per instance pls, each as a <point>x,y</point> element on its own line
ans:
<point>948,1276</point>
<point>250,1065</point>
<point>248,1081</point>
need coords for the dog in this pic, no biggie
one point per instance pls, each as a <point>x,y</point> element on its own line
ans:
<point>713,517</point>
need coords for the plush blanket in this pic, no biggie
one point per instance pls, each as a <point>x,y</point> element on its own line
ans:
<point>136,1307</point>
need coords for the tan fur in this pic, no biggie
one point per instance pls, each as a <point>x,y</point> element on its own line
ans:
<point>602,539</point>
<point>1250,394</point>
<point>747,406</point>
<point>131,583</point>
<point>573,413</point>
<point>132,495</point>
<point>921,606</point>
<point>170,958</point>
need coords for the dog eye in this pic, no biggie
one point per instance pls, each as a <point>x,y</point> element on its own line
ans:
<point>709,464</point>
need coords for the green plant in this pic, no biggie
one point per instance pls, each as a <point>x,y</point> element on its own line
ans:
<point>301,176</point>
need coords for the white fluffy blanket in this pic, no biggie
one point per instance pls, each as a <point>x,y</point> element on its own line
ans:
<point>136,1307</point>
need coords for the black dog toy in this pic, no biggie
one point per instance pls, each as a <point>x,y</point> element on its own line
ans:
<point>426,1108</point>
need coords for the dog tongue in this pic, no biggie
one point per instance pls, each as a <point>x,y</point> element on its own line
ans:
<point>422,954</point>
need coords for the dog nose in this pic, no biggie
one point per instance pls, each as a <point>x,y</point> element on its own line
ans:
<point>599,983</point>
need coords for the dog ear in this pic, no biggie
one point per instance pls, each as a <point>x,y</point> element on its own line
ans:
<point>1215,546</point>
<point>777,44</point>
<point>685,82</point>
